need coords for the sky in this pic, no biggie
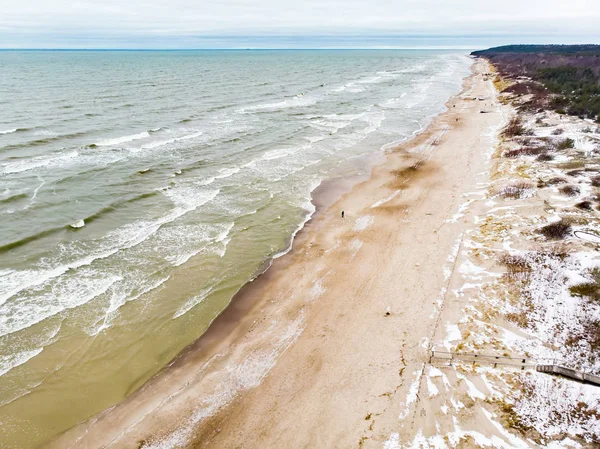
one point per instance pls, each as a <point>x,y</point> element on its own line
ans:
<point>295,23</point>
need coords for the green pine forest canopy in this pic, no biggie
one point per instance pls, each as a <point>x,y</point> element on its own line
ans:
<point>570,73</point>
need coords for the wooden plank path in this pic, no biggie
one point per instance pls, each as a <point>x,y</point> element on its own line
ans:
<point>548,366</point>
<point>569,373</point>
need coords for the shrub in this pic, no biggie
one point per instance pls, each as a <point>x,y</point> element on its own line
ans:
<point>556,231</point>
<point>524,151</point>
<point>589,289</point>
<point>569,190</point>
<point>517,266</point>
<point>516,191</point>
<point>585,205</point>
<point>566,144</point>
<point>556,180</point>
<point>514,128</point>
<point>545,157</point>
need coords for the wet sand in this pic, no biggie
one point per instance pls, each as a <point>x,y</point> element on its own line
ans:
<point>306,354</point>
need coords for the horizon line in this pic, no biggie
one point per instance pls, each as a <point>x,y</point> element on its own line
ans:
<point>465,47</point>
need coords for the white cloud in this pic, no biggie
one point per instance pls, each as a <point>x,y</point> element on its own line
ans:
<point>39,21</point>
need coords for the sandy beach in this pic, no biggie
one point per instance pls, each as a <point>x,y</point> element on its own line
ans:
<point>322,350</point>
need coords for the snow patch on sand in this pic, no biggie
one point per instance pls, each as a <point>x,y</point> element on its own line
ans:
<point>363,223</point>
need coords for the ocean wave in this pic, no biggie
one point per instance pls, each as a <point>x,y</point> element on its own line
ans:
<point>13,198</point>
<point>123,139</point>
<point>117,204</point>
<point>17,130</point>
<point>11,361</point>
<point>86,220</point>
<point>281,152</point>
<point>227,172</point>
<point>160,143</point>
<point>31,238</point>
<point>192,302</point>
<point>78,224</point>
<point>124,293</point>
<point>203,238</point>
<point>186,200</point>
<point>294,102</point>
<point>56,159</point>
<point>51,138</point>
<point>63,295</point>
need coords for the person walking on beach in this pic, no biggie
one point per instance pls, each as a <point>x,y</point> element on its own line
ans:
<point>342,214</point>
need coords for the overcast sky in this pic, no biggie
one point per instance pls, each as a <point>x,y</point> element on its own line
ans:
<point>297,23</point>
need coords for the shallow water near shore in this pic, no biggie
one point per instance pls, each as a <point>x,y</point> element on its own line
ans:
<point>141,190</point>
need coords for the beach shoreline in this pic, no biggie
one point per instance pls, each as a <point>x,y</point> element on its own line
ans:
<point>270,316</point>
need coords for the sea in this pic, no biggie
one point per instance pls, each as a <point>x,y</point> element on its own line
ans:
<point>140,190</point>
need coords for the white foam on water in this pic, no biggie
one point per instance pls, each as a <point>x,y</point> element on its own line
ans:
<point>120,298</point>
<point>62,295</point>
<point>123,139</point>
<point>192,302</point>
<point>9,131</point>
<point>310,209</point>
<point>78,224</point>
<point>122,293</point>
<point>55,160</point>
<point>227,172</point>
<point>279,153</point>
<point>160,143</point>
<point>186,198</point>
<point>11,361</point>
<point>35,192</point>
<point>209,239</point>
<point>294,102</point>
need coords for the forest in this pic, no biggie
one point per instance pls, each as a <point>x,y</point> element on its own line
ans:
<point>568,76</point>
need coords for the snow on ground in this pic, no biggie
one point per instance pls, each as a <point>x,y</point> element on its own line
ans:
<point>527,294</point>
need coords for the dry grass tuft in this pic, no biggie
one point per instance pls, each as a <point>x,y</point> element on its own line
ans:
<point>569,190</point>
<point>514,128</point>
<point>556,231</point>
<point>545,157</point>
<point>517,266</point>
<point>551,182</point>
<point>589,289</point>
<point>525,151</point>
<point>517,190</point>
<point>584,205</point>
<point>566,144</point>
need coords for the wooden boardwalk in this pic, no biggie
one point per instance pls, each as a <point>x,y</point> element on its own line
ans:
<point>548,366</point>
<point>569,373</point>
